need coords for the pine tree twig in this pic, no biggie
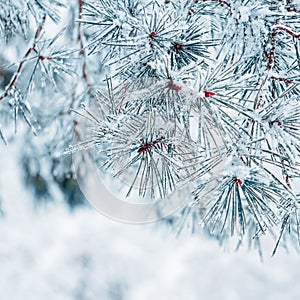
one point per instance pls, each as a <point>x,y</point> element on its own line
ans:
<point>270,56</point>
<point>281,79</point>
<point>276,29</point>
<point>25,58</point>
<point>82,47</point>
<point>288,31</point>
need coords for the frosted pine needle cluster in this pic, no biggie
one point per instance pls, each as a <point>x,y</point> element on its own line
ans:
<point>201,94</point>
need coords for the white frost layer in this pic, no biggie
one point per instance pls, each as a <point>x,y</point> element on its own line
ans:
<point>53,254</point>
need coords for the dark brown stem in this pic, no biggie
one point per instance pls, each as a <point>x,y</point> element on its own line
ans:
<point>82,51</point>
<point>288,31</point>
<point>275,30</point>
<point>282,79</point>
<point>147,147</point>
<point>173,86</point>
<point>271,55</point>
<point>291,7</point>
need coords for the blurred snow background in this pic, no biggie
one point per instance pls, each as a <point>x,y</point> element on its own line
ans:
<point>51,252</point>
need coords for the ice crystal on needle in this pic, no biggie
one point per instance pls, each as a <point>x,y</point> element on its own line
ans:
<point>202,94</point>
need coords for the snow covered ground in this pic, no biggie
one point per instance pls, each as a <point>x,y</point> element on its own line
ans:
<point>50,253</point>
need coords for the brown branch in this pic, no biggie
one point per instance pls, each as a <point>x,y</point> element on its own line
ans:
<point>39,30</point>
<point>25,58</point>
<point>291,7</point>
<point>288,31</point>
<point>282,79</point>
<point>173,86</point>
<point>82,51</point>
<point>270,57</point>
<point>275,30</point>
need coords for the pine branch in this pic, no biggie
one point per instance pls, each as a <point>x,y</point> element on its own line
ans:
<point>25,59</point>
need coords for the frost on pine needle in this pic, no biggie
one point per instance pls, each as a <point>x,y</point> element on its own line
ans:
<point>282,127</point>
<point>138,150</point>
<point>141,34</point>
<point>45,7</point>
<point>20,106</point>
<point>200,94</point>
<point>12,21</point>
<point>38,85</point>
<point>3,137</point>
<point>42,64</point>
<point>199,98</point>
<point>15,15</point>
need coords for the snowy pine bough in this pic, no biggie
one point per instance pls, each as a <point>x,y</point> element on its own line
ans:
<point>202,94</point>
